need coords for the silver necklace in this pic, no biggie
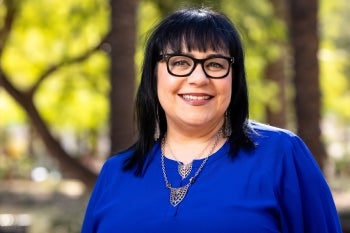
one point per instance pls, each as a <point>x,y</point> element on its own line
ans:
<point>184,169</point>
<point>178,194</point>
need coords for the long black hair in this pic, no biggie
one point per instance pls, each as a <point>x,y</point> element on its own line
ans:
<point>197,29</point>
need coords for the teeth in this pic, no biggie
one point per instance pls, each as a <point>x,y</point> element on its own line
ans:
<point>192,97</point>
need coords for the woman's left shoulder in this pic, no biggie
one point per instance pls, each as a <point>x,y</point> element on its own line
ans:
<point>269,130</point>
<point>261,131</point>
<point>269,138</point>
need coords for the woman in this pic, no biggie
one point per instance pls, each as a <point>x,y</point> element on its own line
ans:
<point>199,165</point>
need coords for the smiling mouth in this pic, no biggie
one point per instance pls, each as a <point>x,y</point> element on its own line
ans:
<point>196,97</point>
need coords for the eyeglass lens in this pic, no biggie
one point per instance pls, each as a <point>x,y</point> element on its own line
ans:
<point>215,67</point>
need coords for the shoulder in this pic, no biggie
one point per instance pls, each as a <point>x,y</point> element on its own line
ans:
<point>263,133</point>
<point>285,151</point>
<point>117,161</point>
<point>280,142</point>
<point>268,130</point>
<point>112,167</point>
<point>283,147</point>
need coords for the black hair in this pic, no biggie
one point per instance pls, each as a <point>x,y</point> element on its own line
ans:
<point>198,29</point>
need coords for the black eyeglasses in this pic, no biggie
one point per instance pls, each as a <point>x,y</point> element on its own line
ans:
<point>180,65</point>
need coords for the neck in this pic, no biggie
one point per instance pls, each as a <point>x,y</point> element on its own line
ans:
<point>185,150</point>
<point>187,134</point>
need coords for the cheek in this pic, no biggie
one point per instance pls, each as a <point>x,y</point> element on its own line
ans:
<point>161,80</point>
<point>226,92</point>
<point>227,96</point>
<point>226,87</point>
<point>165,84</point>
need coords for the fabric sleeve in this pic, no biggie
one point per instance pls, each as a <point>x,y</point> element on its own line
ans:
<point>306,202</point>
<point>89,222</point>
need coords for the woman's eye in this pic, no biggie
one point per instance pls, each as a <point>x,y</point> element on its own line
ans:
<point>180,63</point>
<point>215,65</point>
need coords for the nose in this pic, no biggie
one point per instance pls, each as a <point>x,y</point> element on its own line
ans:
<point>198,76</point>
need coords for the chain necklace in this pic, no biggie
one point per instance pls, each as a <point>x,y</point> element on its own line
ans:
<point>178,194</point>
<point>184,169</point>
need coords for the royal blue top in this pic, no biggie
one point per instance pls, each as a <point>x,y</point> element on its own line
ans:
<point>278,187</point>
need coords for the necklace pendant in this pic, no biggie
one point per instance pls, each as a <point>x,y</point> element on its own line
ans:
<point>177,195</point>
<point>184,170</point>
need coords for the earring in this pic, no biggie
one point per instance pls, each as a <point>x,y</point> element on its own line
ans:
<point>156,132</point>
<point>227,126</point>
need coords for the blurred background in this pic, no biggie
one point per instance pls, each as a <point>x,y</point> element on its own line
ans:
<point>69,70</point>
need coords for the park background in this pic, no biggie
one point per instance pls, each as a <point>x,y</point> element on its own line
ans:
<point>69,70</point>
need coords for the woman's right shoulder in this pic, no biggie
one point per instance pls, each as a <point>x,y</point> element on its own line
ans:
<point>118,160</point>
<point>112,172</point>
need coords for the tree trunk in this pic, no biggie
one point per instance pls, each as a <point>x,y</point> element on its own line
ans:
<point>275,72</point>
<point>305,41</point>
<point>122,41</point>
<point>69,166</point>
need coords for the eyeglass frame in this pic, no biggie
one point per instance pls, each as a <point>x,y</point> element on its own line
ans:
<point>166,57</point>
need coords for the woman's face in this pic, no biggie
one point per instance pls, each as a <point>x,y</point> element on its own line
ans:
<point>195,101</point>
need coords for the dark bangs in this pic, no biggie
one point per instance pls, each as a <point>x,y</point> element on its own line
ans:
<point>196,30</point>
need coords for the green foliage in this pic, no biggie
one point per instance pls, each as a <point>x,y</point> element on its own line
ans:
<point>48,33</point>
<point>79,95</point>
<point>10,112</point>
<point>262,34</point>
<point>334,57</point>
<point>148,15</point>
<point>51,32</point>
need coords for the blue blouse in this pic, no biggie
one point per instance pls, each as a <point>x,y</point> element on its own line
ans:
<point>278,187</point>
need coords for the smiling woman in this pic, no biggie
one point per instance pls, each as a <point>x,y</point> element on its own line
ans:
<point>199,164</point>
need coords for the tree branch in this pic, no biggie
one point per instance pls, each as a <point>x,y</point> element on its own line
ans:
<point>25,99</point>
<point>11,7</point>
<point>68,62</point>
<point>10,89</point>
<point>68,164</point>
